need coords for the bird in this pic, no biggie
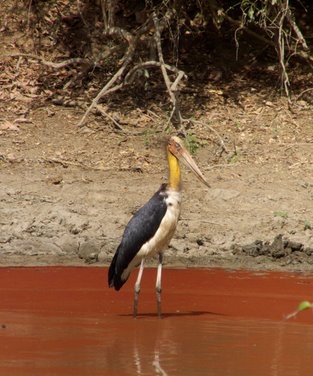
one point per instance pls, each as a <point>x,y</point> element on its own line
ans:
<point>150,230</point>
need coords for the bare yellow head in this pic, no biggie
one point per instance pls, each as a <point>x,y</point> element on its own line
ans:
<point>177,152</point>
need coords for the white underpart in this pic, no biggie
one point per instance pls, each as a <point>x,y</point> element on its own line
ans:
<point>160,241</point>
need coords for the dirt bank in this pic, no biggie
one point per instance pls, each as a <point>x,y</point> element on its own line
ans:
<point>66,193</point>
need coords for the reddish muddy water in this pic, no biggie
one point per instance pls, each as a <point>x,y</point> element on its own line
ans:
<point>65,321</point>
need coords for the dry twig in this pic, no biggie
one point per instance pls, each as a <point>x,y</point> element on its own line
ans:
<point>281,50</point>
<point>103,112</point>
<point>198,122</point>
<point>62,64</point>
<point>171,88</point>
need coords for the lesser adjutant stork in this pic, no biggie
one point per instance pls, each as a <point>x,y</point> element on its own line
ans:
<point>152,227</point>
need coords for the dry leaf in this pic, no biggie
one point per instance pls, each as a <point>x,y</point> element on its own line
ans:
<point>8,126</point>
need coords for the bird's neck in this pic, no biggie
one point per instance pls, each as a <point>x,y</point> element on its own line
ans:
<point>174,180</point>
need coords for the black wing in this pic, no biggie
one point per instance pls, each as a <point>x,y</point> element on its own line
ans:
<point>139,230</point>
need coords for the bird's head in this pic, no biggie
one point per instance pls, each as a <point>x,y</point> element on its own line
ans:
<point>176,147</point>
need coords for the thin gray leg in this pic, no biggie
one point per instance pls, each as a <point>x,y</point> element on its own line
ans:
<point>158,288</point>
<point>137,288</point>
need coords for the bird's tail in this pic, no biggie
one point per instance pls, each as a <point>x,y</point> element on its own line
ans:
<point>114,278</point>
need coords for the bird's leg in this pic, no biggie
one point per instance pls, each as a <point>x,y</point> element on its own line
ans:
<point>137,288</point>
<point>158,284</point>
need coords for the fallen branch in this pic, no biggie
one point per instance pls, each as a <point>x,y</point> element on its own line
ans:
<point>303,92</point>
<point>123,78</point>
<point>62,64</point>
<point>104,113</point>
<point>126,60</point>
<point>296,30</point>
<point>129,78</point>
<point>107,89</point>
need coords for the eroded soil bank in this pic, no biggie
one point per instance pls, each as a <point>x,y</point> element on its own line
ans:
<point>66,193</point>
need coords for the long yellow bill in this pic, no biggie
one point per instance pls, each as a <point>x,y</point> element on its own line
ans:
<point>176,148</point>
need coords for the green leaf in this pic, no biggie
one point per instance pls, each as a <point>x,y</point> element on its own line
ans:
<point>304,305</point>
<point>251,14</point>
<point>282,214</point>
<point>307,225</point>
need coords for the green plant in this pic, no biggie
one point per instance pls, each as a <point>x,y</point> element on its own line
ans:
<point>192,143</point>
<point>304,305</point>
<point>234,157</point>
<point>281,214</point>
<point>307,225</point>
<point>148,135</point>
